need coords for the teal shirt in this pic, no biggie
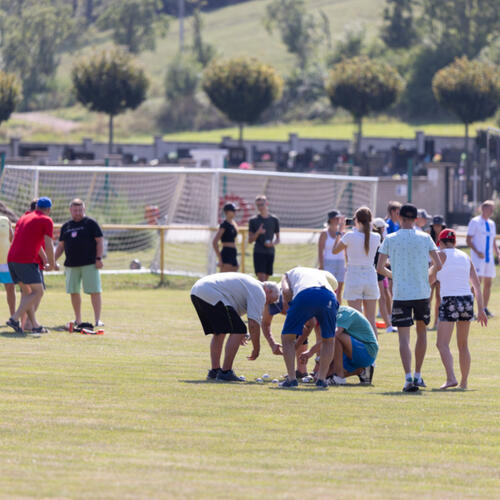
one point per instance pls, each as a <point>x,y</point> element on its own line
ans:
<point>357,326</point>
<point>408,252</point>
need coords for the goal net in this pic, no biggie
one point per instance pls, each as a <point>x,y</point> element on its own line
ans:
<point>186,204</point>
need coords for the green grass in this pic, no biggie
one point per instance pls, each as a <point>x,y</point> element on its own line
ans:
<point>129,415</point>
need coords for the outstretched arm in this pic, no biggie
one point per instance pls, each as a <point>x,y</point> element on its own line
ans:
<point>254,329</point>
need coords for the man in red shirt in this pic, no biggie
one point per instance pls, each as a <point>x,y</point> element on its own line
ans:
<point>32,230</point>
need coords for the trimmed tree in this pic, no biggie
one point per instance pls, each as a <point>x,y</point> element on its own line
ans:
<point>109,82</point>
<point>10,95</point>
<point>242,89</point>
<point>363,86</point>
<point>470,90</point>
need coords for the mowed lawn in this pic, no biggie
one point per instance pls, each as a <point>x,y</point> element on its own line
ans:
<point>129,414</point>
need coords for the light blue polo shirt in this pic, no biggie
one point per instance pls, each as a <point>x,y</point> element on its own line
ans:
<point>408,252</point>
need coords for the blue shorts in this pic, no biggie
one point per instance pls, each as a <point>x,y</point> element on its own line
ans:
<point>316,302</point>
<point>360,357</point>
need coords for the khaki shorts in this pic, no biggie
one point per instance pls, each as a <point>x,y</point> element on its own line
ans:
<point>89,275</point>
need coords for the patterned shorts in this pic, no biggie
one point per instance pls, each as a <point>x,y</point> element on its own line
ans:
<point>457,308</point>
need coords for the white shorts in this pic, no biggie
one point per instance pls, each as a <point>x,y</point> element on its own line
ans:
<point>484,269</point>
<point>336,267</point>
<point>361,283</point>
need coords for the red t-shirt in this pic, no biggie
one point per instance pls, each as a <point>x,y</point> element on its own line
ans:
<point>29,235</point>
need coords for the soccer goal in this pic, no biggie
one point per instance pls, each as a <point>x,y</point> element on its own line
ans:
<point>165,217</point>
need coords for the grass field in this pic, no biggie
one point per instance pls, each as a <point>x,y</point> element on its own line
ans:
<point>129,415</point>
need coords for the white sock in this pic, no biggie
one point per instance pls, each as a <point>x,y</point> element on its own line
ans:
<point>417,375</point>
<point>408,377</point>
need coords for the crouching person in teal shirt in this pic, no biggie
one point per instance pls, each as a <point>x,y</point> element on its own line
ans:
<point>355,345</point>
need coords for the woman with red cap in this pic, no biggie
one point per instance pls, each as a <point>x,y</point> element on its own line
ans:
<point>456,306</point>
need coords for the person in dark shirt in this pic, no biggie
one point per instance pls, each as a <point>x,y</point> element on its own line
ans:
<point>264,230</point>
<point>227,233</point>
<point>82,241</point>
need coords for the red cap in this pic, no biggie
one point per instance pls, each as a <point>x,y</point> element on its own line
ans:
<point>448,235</point>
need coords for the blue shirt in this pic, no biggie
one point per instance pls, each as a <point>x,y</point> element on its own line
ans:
<point>357,326</point>
<point>408,252</point>
<point>392,226</point>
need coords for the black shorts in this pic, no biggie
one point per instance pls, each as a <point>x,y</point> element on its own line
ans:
<point>405,311</point>
<point>263,263</point>
<point>457,308</point>
<point>218,318</point>
<point>228,256</point>
<point>29,274</point>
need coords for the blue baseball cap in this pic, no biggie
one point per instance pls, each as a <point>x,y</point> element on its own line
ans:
<point>44,202</point>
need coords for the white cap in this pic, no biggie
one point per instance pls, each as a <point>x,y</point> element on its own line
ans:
<point>379,222</point>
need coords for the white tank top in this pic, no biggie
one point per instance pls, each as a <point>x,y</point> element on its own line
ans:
<point>454,277</point>
<point>327,252</point>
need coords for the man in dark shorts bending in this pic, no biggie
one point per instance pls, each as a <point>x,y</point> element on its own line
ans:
<point>220,300</point>
<point>408,251</point>
<point>264,230</point>
<point>32,230</point>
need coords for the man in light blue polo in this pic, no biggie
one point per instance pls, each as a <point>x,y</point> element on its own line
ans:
<point>408,251</point>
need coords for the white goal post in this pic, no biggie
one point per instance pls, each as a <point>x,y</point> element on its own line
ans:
<point>180,196</point>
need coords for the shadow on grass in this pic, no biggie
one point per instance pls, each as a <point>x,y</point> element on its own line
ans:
<point>401,393</point>
<point>452,389</point>
<point>13,335</point>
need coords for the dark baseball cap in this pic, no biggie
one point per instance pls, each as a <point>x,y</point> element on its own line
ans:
<point>229,207</point>
<point>438,219</point>
<point>334,213</point>
<point>408,211</point>
<point>44,202</point>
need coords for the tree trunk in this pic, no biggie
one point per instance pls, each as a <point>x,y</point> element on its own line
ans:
<point>89,11</point>
<point>110,141</point>
<point>357,146</point>
<point>240,138</point>
<point>75,7</point>
<point>467,162</point>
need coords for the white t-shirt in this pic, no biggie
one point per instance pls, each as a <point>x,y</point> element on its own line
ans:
<point>483,234</point>
<point>355,243</point>
<point>240,291</point>
<point>4,238</point>
<point>301,278</point>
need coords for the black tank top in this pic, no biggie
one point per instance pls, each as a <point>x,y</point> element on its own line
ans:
<point>230,233</point>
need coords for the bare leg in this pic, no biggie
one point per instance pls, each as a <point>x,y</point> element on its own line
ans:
<point>76,302</point>
<point>10,291</point>
<point>339,291</point>
<point>420,345</point>
<point>325,358</point>
<point>370,311</point>
<point>288,341</point>
<point>30,295</point>
<point>463,351</point>
<point>216,349</point>
<point>96,305</point>
<point>343,345</point>
<point>486,291</point>
<point>404,347</point>
<point>228,268</point>
<point>444,333</point>
<point>262,276</point>
<point>437,303</point>
<point>232,345</point>
<point>384,311</point>
<point>301,367</point>
<point>356,304</point>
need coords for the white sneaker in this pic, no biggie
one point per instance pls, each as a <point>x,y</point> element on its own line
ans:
<point>338,380</point>
<point>391,329</point>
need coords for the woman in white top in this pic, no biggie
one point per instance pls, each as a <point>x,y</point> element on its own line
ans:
<point>335,264</point>
<point>361,244</point>
<point>456,305</point>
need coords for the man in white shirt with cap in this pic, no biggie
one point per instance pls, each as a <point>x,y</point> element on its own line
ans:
<point>481,234</point>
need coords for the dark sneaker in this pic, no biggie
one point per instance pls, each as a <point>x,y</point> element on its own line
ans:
<point>300,374</point>
<point>488,312</point>
<point>419,382</point>
<point>286,384</point>
<point>15,325</point>
<point>410,386</point>
<point>39,329</point>
<point>321,384</point>
<point>212,374</point>
<point>229,376</point>
<point>367,375</point>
